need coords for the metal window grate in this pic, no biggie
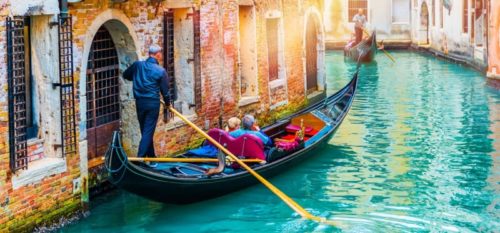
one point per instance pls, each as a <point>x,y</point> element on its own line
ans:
<point>197,59</point>
<point>103,91</point>
<point>353,7</point>
<point>66,82</point>
<point>168,45</point>
<point>17,93</point>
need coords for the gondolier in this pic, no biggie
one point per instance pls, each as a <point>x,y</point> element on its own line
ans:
<point>359,23</point>
<point>149,80</point>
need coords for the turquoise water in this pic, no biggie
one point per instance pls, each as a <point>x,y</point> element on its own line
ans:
<point>418,152</point>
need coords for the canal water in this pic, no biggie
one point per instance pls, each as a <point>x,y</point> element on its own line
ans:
<point>418,152</point>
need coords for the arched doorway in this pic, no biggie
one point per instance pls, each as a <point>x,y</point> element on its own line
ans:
<point>311,56</point>
<point>424,23</point>
<point>103,93</point>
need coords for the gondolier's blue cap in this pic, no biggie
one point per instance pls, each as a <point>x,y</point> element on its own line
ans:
<point>248,121</point>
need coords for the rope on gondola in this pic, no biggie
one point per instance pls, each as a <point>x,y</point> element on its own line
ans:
<point>111,171</point>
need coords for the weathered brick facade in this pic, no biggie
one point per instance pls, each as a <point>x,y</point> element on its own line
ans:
<point>63,186</point>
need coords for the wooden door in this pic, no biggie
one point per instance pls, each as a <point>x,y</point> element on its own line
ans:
<point>103,100</point>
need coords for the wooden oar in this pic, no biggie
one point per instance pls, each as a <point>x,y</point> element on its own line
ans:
<point>291,203</point>
<point>187,160</point>
<point>385,52</point>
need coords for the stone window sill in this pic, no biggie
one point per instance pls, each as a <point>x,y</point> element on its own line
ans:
<point>247,100</point>
<point>177,122</point>
<point>279,104</point>
<point>277,83</point>
<point>38,170</point>
<point>400,23</point>
<point>314,94</point>
<point>34,141</point>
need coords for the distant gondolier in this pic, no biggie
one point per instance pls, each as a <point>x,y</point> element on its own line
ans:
<point>150,80</point>
<point>359,24</point>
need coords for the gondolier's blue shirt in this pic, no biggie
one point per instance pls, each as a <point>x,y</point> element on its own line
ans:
<point>149,79</point>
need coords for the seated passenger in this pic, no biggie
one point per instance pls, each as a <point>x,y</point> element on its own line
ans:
<point>233,124</point>
<point>250,127</point>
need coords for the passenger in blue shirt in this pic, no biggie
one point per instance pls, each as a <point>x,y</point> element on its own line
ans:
<point>249,127</point>
<point>149,81</point>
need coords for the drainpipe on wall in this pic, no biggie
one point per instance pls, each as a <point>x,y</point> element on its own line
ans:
<point>63,6</point>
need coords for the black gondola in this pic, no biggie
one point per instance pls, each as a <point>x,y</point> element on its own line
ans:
<point>364,51</point>
<point>181,183</point>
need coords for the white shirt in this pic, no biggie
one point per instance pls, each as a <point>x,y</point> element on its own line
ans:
<point>359,21</point>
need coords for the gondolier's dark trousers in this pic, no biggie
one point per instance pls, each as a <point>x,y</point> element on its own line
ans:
<point>147,114</point>
<point>359,34</point>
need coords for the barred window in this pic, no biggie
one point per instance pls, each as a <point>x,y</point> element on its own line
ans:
<point>354,5</point>
<point>182,57</point>
<point>22,125</point>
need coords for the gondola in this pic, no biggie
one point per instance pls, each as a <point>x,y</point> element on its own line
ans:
<point>181,182</point>
<point>364,51</point>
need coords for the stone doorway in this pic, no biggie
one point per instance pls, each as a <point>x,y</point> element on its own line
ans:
<point>103,94</point>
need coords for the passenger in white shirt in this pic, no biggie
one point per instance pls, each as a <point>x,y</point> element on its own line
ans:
<point>359,23</point>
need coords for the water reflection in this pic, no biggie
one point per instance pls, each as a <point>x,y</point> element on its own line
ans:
<point>425,150</point>
<point>419,151</point>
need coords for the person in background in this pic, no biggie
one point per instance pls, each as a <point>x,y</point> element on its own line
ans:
<point>359,24</point>
<point>233,124</point>
<point>249,126</point>
<point>149,81</point>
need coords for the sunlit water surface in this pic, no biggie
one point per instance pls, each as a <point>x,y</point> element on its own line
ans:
<point>418,152</point>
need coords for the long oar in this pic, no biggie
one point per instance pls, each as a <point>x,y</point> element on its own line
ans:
<point>187,160</point>
<point>383,50</point>
<point>291,203</point>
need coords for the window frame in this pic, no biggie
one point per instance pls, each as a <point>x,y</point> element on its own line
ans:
<point>348,9</point>
<point>465,16</point>
<point>247,97</point>
<point>31,124</point>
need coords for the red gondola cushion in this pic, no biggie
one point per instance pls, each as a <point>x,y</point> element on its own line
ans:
<point>294,128</point>
<point>246,145</point>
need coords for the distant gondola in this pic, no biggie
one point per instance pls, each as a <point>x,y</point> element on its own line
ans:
<point>364,51</point>
<point>181,183</point>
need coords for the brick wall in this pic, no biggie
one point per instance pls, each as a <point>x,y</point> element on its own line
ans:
<point>136,29</point>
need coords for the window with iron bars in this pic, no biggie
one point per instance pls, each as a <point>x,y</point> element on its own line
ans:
<point>169,51</point>
<point>22,123</point>
<point>354,6</point>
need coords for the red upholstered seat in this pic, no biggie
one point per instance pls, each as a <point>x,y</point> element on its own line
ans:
<point>247,145</point>
<point>308,131</point>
